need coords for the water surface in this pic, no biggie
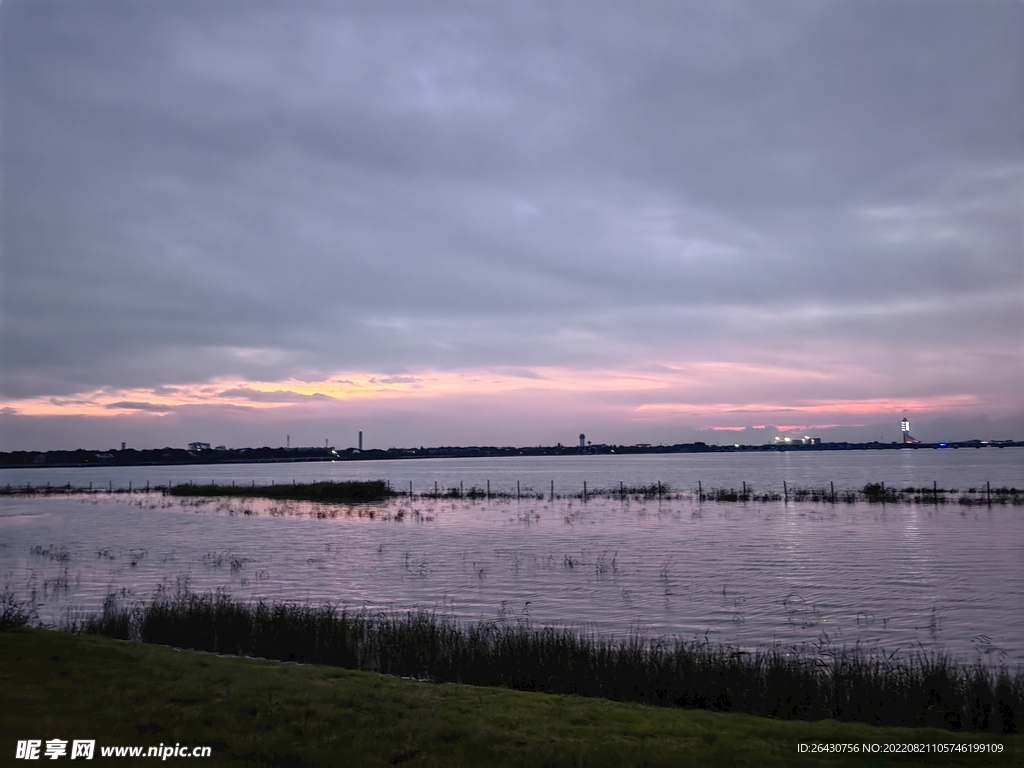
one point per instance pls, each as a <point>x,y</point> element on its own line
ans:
<point>899,577</point>
<point>961,468</point>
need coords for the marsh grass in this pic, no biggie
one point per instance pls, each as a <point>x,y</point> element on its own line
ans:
<point>916,690</point>
<point>346,492</point>
<point>873,493</point>
<point>364,491</point>
<point>13,614</point>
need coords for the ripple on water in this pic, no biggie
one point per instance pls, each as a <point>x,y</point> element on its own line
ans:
<point>749,575</point>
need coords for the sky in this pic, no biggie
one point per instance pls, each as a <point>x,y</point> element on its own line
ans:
<point>454,223</point>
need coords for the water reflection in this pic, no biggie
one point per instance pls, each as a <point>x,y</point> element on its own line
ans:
<point>746,574</point>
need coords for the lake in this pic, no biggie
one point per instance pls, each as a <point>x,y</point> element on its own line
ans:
<point>897,577</point>
<point>959,468</point>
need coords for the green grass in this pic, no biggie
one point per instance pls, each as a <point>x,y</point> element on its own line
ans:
<point>252,712</point>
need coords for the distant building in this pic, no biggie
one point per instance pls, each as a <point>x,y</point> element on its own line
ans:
<point>905,429</point>
<point>199,447</point>
<point>805,440</point>
<point>583,440</point>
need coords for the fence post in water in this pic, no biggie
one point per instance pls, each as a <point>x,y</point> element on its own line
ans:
<point>435,489</point>
<point>410,489</point>
<point>785,492</point>
<point>488,490</point>
<point>988,492</point>
<point>700,491</point>
<point>517,490</point>
<point>552,490</point>
<point>147,486</point>
<point>744,487</point>
<point>129,486</point>
<point>90,486</point>
<point>110,486</point>
<point>461,492</point>
<point>622,492</point>
<point>832,485</point>
<point>659,490</point>
<point>935,491</point>
<point>883,492</point>
<point>584,491</point>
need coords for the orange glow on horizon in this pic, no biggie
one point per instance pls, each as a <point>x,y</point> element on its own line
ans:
<point>704,392</point>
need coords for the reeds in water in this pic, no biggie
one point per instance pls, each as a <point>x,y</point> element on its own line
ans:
<point>12,613</point>
<point>919,690</point>
<point>345,492</point>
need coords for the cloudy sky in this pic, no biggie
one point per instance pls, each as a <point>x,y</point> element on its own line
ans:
<point>508,223</point>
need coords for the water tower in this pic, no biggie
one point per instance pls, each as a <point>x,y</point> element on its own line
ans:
<point>583,441</point>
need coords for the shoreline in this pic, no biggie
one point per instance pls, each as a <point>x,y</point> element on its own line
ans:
<point>168,457</point>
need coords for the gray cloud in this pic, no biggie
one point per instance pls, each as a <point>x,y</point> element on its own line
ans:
<point>270,190</point>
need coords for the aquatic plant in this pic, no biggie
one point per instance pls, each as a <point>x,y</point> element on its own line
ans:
<point>347,491</point>
<point>12,613</point>
<point>853,685</point>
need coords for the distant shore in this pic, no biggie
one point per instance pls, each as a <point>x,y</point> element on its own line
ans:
<point>178,456</point>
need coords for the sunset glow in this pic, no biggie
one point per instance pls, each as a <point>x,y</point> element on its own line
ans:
<point>682,395</point>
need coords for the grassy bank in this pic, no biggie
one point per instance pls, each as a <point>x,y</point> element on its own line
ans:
<point>912,691</point>
<point>60,685</point>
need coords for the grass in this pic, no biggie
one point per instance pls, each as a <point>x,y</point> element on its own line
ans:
<point>345,492</point>
<point>873,493</point>
<point>919,690</point>
<point>360,491</point>
<point>254,712</point>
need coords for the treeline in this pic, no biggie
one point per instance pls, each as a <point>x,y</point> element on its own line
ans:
<point>161,456</point>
